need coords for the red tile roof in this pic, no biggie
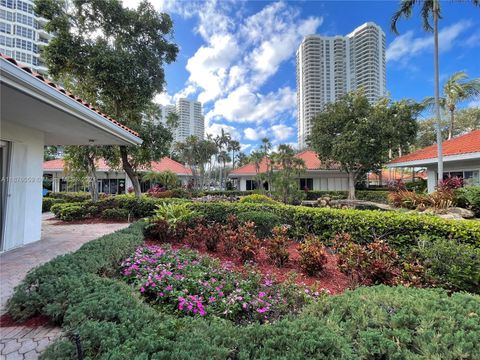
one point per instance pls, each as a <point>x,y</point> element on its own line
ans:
<point>312,162</point>
<point>101,165</point>
<point>464,144</point>
<point>65,92</point>
<point>391,174</point>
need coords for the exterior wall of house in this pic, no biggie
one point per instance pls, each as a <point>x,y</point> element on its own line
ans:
<point>322,181</point>
<point>23,219</point>
<point>454,166</point>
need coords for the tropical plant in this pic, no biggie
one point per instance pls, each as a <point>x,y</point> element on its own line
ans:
<point>167,179</point>
<point>313,255</point>
<point>234,146</point>
<point>173,214</point>
<point>456,89</point>
<point>256,157</point>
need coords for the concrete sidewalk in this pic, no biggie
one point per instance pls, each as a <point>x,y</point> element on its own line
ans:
<point>24,342</point>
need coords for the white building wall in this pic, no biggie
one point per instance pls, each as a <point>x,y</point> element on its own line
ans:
<point>191,120</point>
<point>454,166</point>
<point>24,189</point>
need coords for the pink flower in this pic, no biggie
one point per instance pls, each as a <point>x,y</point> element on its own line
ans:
<point>261,294</point>
<point>169,288</point>
<point>211,299</point>
<point>262,310</point>
<point>142,289</point>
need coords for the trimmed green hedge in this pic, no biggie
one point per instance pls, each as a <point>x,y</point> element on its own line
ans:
<point>229,192</point>
<point>399,229</point>
<point>137,207</point>
<point>48,202</point>
<point>70,196</point>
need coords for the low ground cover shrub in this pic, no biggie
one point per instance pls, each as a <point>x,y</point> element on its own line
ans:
<point>450,264</point>
<point>366,195</point>
<point>70,196</point>
<point>228,193</point>
<point>401,231</point>
<point>187,283</point>
<point>115,214</point>
<point>469,197</point>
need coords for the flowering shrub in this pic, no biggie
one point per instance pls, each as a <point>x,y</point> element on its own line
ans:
<point>185,282</point>
<point>313,255</point>
<point>277,246</point>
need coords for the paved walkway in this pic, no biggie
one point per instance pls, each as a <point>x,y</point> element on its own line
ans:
<point>25,342</point>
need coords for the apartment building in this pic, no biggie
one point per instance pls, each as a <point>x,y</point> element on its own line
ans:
<point>21,33</point>
<point>330,66</point>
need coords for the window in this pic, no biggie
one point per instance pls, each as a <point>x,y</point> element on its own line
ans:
<point>23,31</point>
<point>306,184</point>
<point>5,28</point>
<point>471,177</point>
<point>6,41</point>
<point>25,19</point>
<point>7,3</point>
<point>28,8</point>
<point>6,15</point>
<point>251,185</point>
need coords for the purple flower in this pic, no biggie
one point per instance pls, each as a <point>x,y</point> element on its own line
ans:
<point>261,294</point>
<point>169,288</point>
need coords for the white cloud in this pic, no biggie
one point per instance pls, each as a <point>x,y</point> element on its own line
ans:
<point>216,129</point>
<point>281,132</point>
<point>163,99</point>
<point>254,134</point>
<point>407,45</point>
<point>472,40</point>
<point>244,105</point>
<point>474,103</point>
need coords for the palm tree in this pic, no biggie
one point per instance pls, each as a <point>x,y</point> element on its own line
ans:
<point>455,90</point>
<point>429,8</point>
<point>233,145</point>
<point>256,157</point>
<point>223,158</point>
<point>267,145</point>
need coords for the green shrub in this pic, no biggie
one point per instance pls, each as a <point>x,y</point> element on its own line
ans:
<point>264,222</point>
<point>257,198</point>
<point>115,214</point>
<point>48,202</point>
<point>469,197</point>
<point>69,211</point>
<point>379,196</point>
<point>229,192</point>
<point>400,230</point>
<point>451,265</point>
<point>45,288</point>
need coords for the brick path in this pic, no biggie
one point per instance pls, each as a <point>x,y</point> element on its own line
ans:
<point>20,342</point>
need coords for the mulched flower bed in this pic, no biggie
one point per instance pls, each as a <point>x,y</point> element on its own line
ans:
<point>40,320</point>
<point>330,278</point>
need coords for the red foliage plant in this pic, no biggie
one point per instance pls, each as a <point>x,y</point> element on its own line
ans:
<point>450,183</point>
<point>247,243</point>
<point>313,255</point>
<point>159,192</point>
<point>210,235</point>
<point>277,246</point>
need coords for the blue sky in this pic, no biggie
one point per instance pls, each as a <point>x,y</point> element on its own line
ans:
<point>238,57</point>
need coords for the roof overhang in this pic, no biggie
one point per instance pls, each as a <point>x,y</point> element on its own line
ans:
<point>433,161</point>
<point>307,171</point>
<point>30,102</point>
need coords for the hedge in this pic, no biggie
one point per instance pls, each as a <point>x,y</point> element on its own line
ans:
<point>70,196</point>
<point>48,202</point>
<point>137,207</point>
<point>399,229</point>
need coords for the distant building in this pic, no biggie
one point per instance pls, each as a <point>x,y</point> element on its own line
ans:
<point>190,120</point>
<point>164,111</point>
<point>328,67</point>
<point>21,33</point>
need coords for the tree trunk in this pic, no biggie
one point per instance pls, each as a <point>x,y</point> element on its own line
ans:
<point>452,120</point>
<point>129,171</point>
<point>351,186</point>
<point>92,177</point>
<point>437,92</point>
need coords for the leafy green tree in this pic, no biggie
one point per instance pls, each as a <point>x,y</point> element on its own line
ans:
<point>430,10</point>
<point>116,55</point>
<point>196,154</point>
<point>242,159</point>
<point>80,164</point>
<point>256,157</point>
<point>456,89</point>
<point>285,178</point>
<point>49,153</point>
<point>266,147</point>
<point>360,136</point>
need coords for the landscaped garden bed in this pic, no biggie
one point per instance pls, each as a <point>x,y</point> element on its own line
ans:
<point>196,307</point>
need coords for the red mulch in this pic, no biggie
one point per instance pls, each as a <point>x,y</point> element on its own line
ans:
<point>40,320</point>
<point>330,279</point>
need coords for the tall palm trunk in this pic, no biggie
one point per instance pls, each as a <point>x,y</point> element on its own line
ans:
<point>437,92</point>
<point>452,122</point>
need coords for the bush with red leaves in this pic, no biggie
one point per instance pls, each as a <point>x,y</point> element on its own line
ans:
<point>313,255</point>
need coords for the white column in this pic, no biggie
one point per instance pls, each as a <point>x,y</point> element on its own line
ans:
<point>431,179</point>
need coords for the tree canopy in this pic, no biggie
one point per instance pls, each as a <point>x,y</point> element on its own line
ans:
<point>115,55</point>
<point>360,136</point>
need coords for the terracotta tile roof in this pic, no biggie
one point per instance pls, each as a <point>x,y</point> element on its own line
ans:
<point>158,166</point>
<point>464,144</point>
<point>388,175</point>
<point>312,162</point>
<point>65,92</point>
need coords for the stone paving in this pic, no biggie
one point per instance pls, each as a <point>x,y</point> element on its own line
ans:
<point>21,342</point>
